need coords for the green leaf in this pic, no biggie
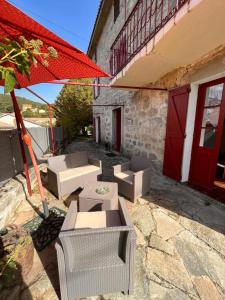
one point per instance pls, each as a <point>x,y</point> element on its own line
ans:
<point>12,264</point>
<point>21,55</point>
<point>10,81</point>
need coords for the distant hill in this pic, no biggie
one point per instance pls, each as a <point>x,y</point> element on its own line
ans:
<point>6,103</point>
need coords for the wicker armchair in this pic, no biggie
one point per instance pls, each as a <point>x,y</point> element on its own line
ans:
<point>133,177</point>
<point>97,260</point>
<point>67,173</point>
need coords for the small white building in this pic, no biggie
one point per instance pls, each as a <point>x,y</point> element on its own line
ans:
<point>8,121</point>
<point>42,111</point>
<point>26,106</point>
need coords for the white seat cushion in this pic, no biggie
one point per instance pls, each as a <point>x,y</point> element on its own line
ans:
<point>76,172</point>
<point>126,176</point>
<point>98,219</point>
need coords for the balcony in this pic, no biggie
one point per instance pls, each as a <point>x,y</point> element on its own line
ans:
<point>146,19</point>
<point>162,35</point>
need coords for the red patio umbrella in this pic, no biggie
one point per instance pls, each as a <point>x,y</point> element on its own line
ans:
<point>70,63</point>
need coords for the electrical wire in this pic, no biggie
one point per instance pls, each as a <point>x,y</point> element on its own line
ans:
<point>49,21</point>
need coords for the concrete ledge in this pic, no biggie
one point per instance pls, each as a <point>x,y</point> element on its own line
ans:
<point>12,193</point>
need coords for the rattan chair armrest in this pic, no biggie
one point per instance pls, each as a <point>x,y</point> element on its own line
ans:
<point>71,216</point>
<point>124,212</point>
<point>122,167</point>
<point>95,162</point>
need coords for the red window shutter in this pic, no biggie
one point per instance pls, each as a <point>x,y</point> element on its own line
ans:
<point>96,88</point>
<point>175,132</point>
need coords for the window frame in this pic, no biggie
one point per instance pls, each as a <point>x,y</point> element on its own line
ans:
<point>96,89</point>
<point>213,127</point>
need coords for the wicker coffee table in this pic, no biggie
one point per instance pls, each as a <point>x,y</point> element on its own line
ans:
<point>99,195</point>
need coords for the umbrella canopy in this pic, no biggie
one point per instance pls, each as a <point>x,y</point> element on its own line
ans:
<point>70,63</point>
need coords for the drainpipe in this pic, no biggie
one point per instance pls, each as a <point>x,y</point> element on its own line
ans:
<point>51,128</point>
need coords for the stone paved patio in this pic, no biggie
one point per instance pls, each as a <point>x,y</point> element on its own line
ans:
<point>180,243</point>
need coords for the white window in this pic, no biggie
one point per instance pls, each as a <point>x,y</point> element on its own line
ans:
<point>96,89</point>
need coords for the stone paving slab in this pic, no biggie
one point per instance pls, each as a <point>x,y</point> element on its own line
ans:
<point>180,243</point>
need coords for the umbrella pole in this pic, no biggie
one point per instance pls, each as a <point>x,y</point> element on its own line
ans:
<point>27,141</point>
<point>51,127</point>
<point>25,166</point>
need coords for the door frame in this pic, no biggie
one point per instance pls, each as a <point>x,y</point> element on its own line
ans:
<point>197,130</point>
<point>117,129</point>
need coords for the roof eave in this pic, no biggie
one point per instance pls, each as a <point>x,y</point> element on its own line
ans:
<point>100,20</point>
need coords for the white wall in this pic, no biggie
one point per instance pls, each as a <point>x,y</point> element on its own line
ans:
<point>193,96</point>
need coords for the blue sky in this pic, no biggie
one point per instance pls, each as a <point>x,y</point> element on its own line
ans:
<point>73,20</point>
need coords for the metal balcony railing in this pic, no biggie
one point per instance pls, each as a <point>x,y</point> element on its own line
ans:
<point>145,20</point>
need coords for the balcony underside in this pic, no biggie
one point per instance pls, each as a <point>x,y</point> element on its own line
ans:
<point>196,30</point>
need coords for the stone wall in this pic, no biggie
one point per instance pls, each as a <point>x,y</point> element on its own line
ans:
<point>145,124</point>
<point>110,96</point>
<point>144,112</point>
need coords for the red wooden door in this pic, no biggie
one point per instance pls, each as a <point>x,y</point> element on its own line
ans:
<point>210,115</point>
<point>175,132</point>
<point>117,121</point>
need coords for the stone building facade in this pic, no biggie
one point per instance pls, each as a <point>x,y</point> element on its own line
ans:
<point>143,121</point>
<point>163,62</point>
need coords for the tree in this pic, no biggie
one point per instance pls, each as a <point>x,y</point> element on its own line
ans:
<point>73,109</point>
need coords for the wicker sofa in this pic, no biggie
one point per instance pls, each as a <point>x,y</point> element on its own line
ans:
<point>95,252</point>
<point>67,173</point>
<point>133,177</point>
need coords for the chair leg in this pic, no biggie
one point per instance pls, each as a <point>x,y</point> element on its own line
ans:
<point>128,292</point>
<point>61,272</point>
